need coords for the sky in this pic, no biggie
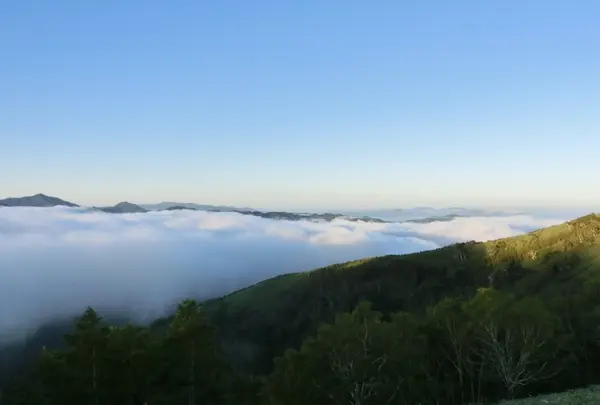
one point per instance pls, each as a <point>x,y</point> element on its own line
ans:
<point>302,104</point>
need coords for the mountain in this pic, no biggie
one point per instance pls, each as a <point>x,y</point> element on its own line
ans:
<point>122,208</point>
<point>38,200</point>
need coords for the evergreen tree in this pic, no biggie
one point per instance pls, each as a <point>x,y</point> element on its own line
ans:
<point>194,367</point>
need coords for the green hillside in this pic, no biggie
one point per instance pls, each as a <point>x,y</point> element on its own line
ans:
<point>575,242</point>
<point>284,310</point>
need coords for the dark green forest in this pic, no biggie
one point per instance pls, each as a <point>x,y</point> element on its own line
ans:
<point>468,323</point>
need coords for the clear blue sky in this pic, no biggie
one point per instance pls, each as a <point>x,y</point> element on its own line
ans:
<point>302,104</point>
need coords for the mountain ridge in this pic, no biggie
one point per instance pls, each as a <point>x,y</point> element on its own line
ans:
<point>40,200</point>
<point>37,200</point>
<point>419,215</point>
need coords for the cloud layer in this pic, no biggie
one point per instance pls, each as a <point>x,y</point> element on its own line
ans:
<point>56,261</point>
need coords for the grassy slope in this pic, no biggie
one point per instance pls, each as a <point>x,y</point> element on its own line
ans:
<point>586,396</point>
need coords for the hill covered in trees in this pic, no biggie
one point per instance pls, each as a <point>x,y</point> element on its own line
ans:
<point>466,323</point>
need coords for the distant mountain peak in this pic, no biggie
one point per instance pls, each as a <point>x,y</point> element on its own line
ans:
<point>123,207</point>
<point>37,200</point>
<point>126,204</point>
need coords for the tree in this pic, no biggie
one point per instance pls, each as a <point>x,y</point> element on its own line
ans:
<point>192,362</point>
<point>130,355</point>
<point>76,374</point>
<point>51,383</point>
<point>514,338</point>
<point>85,357</point>
<point>359,360</point>
<point>452,338</point>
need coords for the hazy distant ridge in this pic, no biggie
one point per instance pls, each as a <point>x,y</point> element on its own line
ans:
<point>416,215</point>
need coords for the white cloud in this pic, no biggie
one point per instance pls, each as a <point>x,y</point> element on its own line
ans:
<point>56,261</point>
<point>484,228</point>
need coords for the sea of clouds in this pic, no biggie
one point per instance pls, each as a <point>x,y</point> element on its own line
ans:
<point>56,261</point>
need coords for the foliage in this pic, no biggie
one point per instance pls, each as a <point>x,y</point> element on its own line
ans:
<point>357,360</point>
<point>104,364</point>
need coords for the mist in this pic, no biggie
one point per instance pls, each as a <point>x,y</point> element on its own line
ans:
<point>54,262</point>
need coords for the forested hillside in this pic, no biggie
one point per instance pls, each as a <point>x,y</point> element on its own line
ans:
<point>467,323</point>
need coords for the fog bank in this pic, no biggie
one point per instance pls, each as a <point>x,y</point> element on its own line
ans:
<point>56,261</point>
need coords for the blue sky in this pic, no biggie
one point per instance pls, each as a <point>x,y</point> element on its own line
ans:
<point>302,104</point>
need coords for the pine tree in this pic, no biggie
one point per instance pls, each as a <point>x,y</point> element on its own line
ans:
<point>195,367</point>
<point>85,357</point>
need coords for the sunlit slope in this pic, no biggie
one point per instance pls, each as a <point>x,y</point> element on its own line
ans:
<point>279,312</point>
<point>573,244</point>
